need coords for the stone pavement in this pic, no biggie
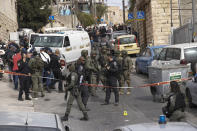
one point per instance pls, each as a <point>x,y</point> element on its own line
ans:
<point>9,97</point>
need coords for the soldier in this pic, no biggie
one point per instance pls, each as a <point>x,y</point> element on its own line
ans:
<point>36,65</point>
<point>112,71</point>
<point>126,68</point>
<point>119,59</point>
<point>103,61</point>
<point>74,94</point>
<point>93,67</point>
<point>83,79</point>
<point>175,107</point>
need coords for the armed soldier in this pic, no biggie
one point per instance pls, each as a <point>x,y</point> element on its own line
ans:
<point>36,65</point>
<point>175,107</point>
<point>103,61</point>
<point>73,87</point>
<point>83,78</point>
<point>119,60</point>
<point>93,67</point>
<point>126,68</point>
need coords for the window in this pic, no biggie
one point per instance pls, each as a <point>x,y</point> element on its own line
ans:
<point>148,53</point>
<point>162,55</point>
<point>48,41</point>
<point>66,42</point>
<point>127,40</point>
<point>177,54</point>
<point>169,54</point>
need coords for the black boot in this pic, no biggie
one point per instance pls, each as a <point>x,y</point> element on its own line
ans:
<point>27,97</point>
<point>85,117</point>
<point>20,98</point>
<point>65,117</point>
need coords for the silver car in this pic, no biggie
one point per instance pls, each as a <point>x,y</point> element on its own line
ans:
<point>191,92</point>
<point>170,126</point>
<point>30,121</point>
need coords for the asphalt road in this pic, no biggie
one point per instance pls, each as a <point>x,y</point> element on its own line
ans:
<point>139,107</point>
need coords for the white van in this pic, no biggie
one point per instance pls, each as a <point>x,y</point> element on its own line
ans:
<point>69,43</point>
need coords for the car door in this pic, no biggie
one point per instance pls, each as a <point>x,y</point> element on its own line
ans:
<point>144,61</point>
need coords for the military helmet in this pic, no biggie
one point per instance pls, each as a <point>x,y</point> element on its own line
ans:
<point>124,52</point>
<point>71,68</point>
<point>83,52</point>
<point>93,52</point>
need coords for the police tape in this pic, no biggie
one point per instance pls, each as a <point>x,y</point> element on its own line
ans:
<point>97,85</point>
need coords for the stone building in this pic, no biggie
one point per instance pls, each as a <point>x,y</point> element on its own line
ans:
<point>8,18</point>
<point>156,28</point>
<point>114,15</point>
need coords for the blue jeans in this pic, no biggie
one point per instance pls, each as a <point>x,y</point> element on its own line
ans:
<point>15,78</point>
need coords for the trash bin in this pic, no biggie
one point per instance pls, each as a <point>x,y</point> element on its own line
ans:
<point>165,73</point>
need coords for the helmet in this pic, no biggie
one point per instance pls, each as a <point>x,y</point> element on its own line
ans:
<point>71,68</point>
<point>124,52</point>
<point>93,52</point>
<point>83,52</point>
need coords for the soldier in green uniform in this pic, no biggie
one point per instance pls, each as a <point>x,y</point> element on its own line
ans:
<point>93,67</point>
<point>103,61</point>
<point>126,68</point>
<point>175,107</point>
<point>36,65</point>
<point>73,87</point>
<point>119,59</point>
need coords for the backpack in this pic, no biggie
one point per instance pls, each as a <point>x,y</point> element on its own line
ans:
<point>180,102</point>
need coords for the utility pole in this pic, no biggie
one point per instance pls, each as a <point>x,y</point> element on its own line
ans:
<point>51,9</point>
<point>72,13</point>
<point>193,19</point>
<point>123,7</point>
<point>171,13</point>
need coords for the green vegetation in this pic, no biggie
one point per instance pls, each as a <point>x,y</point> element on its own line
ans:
<point>33,14</point>
<point>100,10</point>
<point>85,19</point>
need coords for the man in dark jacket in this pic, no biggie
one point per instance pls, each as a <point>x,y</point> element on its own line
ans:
<point>56,68</point>
<point>24,80</point>
<point>112,71</point>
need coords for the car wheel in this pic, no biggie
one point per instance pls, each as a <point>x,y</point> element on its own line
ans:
<point>137,69</point>
<point>189,98</point>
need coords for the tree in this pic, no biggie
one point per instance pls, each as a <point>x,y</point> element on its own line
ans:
<point>33,14</point>
<point>100,10</point>
<point>132,5</point>
<point>85,19</point>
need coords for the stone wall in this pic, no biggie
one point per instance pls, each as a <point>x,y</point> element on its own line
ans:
<point>8,18</point>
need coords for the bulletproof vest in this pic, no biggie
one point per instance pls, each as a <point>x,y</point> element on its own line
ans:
<point>119,62</point>
<point>180,101</point>
<point>125,64</point>
<point>38,64</point>
<point>103,60</point>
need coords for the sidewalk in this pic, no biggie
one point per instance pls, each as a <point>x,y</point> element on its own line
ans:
<point>8,98</point>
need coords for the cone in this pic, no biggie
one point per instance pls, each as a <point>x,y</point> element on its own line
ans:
<point>125,113</point>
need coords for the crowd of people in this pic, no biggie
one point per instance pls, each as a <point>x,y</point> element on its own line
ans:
<point>31,72</point>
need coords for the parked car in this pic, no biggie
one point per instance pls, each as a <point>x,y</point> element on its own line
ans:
<point>30,121</point>
<point>170,126</point>
<point>191,92</point>
<point>146,58</point>
<point>178,54</point>
<point>128,43</point>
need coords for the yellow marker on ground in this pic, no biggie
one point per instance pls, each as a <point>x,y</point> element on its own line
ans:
<point>125,113</point>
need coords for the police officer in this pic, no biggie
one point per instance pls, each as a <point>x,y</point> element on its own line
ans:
<point>82,79</point>
<point>74,94</point>
<point>175,107</point>
<point>93,67</point>
<point>112,71</point>
<point>103,61</point>
<point>37,65</point>
<point>126,68</point>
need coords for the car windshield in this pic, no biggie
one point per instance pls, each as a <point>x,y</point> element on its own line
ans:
<point>157,51</point>
<point>127,40</point>
<point>32,39</point>
<point>48,41</point>
<point>191,54</point>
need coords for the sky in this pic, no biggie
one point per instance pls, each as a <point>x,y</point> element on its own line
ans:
<point>116,2</point>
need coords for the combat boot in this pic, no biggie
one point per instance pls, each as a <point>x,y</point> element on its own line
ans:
<point>65,117</point>
<point>27,97</point>
<point>85,117</point>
